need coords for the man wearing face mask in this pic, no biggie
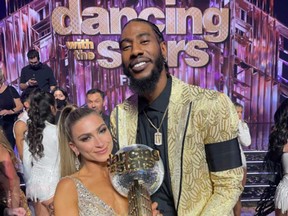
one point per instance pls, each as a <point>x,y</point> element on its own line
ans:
<point>37,74</point>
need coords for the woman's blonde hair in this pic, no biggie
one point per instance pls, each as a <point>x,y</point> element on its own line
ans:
<point>5,143</point>
<point>67,156</point>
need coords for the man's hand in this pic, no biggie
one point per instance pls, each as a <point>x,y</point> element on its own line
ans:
<point>155,212</point>
<point>32,82</point>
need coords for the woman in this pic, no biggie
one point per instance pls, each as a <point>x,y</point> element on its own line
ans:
<point>278,152</point>
<point>62,99</point>
<point>20,125</point>
<point>10,106</point>
<point>244,139</point>
<point>88,191</point>
<point>41,152</point>
<point>276,161</point>
<point>281,194</point>
<point>13,200</point>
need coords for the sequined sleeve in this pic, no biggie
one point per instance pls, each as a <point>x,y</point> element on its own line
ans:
<point>227,187</point>
<point>113,126</point>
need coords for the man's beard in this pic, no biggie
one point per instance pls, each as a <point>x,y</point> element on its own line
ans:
<point>148,84</point>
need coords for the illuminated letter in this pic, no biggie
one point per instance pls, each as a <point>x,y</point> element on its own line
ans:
<point>173,51</point>
<point>116,18</point>
<point>90,56</point>
<point>157,13</point>
<point>101,20</point>
<point>200,57</point>
<point>60,14</point>
<point>221,28</point>
<point>123,80</point>
<point>106,49</point>
<point>170,21</point>
<point>71,44</point>
<point>170,2</point>
<point>182,15</point>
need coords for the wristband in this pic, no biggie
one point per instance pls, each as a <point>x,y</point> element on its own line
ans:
<point>27,83</point>
<point>13,110</point>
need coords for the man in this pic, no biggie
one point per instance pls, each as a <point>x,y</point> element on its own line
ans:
<point>37,74</point>
<point>195,130</point>
<point>95,101</point>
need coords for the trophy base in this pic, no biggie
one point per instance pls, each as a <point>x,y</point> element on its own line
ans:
<point>139,200</point>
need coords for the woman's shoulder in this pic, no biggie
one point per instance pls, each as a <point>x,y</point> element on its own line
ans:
<point>48,124</point>
<point>50,128</point>
<point>66,184</point>
<point>4,154</point>
<point>66,196</point>
<point>67,180</point>
<point>4,89</point>
<point>13,91</point>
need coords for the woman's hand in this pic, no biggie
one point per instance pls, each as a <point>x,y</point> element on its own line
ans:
<point>14,212</point>
<point>5,112</point>
<point>155,212</point>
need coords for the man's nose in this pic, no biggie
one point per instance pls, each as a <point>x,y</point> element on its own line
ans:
<point>137,49</point>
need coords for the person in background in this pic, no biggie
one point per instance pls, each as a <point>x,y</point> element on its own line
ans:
<point>278,152</point>
<point>20,125</point>
<point>275,197</point>
<point>244,139</point>
<point>41,159</point>
<point>281,194</point>
<point>37,74</point>
<point>12,200</point>
<point>87,190</point>
<point>10,106</point>
<point>12,211</point>
<point>62,99</point>
<point>194,129</point>
<point>95,100</point>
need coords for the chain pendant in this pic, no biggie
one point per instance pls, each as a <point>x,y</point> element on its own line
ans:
<point>158,135</point>
<point>158,138</point>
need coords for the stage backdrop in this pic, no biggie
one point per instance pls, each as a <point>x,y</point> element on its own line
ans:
<point>235,47</point>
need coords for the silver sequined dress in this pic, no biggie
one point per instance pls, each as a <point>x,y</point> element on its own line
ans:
<point>89,204</point>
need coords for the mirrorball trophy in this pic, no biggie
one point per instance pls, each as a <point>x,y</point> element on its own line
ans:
<point>136,172</point>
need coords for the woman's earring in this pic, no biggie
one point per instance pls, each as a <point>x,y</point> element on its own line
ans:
<point>77,163</point>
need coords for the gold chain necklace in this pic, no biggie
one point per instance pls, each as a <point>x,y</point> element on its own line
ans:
<point>157,134</point>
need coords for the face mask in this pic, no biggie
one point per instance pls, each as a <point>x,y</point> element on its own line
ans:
<point>35,67</point>
<point>60,103</point>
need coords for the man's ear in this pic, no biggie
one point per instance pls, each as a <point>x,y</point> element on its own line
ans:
<point>163,47</point>
<point>74,148</point>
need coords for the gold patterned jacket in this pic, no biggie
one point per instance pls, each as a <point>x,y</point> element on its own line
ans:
<point>196,117</point>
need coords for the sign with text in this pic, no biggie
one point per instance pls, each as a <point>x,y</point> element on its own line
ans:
<point>210,26</point>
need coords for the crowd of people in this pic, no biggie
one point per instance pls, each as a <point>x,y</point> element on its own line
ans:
<point>62,150</point>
